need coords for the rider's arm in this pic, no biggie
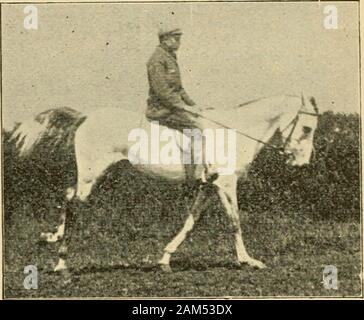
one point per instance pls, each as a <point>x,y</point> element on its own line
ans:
<point>185,97</point>
<point>160,85</point>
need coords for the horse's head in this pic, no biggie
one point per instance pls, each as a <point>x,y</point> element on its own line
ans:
<point>298,136</point>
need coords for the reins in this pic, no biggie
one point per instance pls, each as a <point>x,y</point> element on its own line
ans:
<point>279,149</point>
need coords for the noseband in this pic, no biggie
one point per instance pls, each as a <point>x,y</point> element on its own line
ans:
<point>294,124</point>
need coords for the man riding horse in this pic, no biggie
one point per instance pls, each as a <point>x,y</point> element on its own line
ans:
<point>95,149</point>
<point>168,102</point>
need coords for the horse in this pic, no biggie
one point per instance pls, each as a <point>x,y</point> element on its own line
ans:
<point>103,137</point>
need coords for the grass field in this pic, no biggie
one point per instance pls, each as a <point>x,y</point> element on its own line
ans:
<point>114,247</point>
<point>295,226</point>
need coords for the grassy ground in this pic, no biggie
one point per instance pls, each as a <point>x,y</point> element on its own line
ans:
<point>117,237</point>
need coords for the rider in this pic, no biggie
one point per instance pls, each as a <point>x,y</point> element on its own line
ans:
<point>168,102</point>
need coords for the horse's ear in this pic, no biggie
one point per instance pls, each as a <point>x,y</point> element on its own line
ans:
<point>303,99</point>
<point>313,102</point>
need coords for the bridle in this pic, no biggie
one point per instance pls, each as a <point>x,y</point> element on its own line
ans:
<point>294,124</point>
<point>282,149</point>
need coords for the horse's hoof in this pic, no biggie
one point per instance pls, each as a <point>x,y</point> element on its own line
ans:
<point>166,268</point>
<point>255,263</point>
<point>66,277</point>
<point>45,236</point>
<point>49,237</point>
<point>61,266</point>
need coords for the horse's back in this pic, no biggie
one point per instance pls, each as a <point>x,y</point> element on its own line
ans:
<point>108,135</point>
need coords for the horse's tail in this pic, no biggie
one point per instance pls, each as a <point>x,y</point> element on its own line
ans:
<point>49,129</point>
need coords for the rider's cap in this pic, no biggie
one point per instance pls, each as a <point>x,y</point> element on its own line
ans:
<point>165,30</point>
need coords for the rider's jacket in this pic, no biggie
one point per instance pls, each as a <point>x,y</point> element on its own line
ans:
<point>165,85</point>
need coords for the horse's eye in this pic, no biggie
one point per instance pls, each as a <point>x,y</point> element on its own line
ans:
<point>306,130</point>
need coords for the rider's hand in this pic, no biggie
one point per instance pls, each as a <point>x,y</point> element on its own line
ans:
<point>192,110</point>
<point>181,106</point>
<point>189,101</point>
<point>189,109</point>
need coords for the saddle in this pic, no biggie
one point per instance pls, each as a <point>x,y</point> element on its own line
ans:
<point>178,121</point>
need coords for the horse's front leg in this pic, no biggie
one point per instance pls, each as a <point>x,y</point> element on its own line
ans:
<point>227,188</point>
<point>193,215</point>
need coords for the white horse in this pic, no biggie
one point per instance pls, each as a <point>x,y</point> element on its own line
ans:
<point>103,137</point>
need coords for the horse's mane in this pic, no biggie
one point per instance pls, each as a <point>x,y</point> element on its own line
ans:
<point>247,103</point>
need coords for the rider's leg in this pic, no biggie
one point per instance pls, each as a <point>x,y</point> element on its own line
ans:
<point>188,125</point>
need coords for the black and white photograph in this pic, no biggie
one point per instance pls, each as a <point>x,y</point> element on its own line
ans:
<point>191,149</point>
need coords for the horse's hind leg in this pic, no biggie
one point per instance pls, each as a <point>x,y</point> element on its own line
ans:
<point>61,266</point>
<point>58,234</point>
<point>87,175</point>
<point>55,236</point>
<point>227,187</point>
<point>83,191</point>
<point>193,215</point>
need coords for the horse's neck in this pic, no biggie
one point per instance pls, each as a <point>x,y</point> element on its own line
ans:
<point>259,119</point>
